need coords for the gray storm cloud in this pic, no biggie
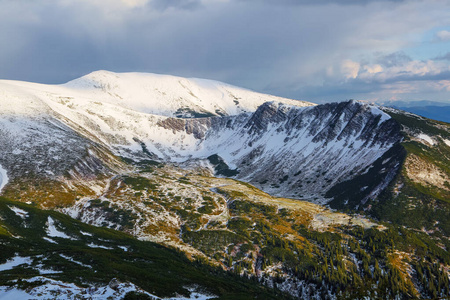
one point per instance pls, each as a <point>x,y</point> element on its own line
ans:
<point>289,48</point>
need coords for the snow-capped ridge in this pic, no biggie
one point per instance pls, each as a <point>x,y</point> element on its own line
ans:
<point>171,96</point>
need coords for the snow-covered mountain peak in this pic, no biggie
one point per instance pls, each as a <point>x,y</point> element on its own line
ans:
<point>171,96</point>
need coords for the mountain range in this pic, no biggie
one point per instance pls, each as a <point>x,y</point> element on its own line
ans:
<point>301,200</point>
<point>430,109</point>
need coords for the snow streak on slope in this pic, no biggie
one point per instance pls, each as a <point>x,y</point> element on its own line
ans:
<point>3,178</point>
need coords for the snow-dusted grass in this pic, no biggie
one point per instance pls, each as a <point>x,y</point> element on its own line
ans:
<point>194,296</point>
<point>69,291</point>
<point>43,270</point>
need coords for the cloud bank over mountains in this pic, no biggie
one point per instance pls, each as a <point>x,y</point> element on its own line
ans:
<point>318,51</point>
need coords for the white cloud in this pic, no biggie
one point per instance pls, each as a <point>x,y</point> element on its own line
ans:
<point>443,35</point>
<point>350,69</point>
<point>135,3</point>
<point>373,69</point>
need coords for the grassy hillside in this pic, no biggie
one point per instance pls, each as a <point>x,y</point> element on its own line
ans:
<point>231,231</point>
<point>419,196</point>
<point>90,255</point>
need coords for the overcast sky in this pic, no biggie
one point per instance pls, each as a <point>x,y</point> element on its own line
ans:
<point>331,51</point>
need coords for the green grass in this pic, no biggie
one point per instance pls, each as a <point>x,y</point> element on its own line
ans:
<point>211,241</point>
<point>221,167</point>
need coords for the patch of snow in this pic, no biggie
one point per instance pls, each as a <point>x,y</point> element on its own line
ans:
<point>376,111</point>
<point>447,142</point>
<point>50,240</point>
<point>426,138</point>
<point>86,233</point>
<point>92,245</point>
<point>14,262</point>
<point>52,231</point>
<point>75,261</point>
<point>8,293</point>
<point>19,212</point>
<point>194,296</point>
<point>43,270</point>
<point>126,249</point>
<point>3,178</point>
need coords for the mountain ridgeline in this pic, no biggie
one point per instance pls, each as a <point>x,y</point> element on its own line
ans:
<point>237,180</point>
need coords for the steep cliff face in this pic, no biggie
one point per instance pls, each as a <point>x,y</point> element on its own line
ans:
<point>303,152</point>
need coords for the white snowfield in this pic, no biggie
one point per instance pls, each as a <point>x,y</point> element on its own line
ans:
<point>146,93</point>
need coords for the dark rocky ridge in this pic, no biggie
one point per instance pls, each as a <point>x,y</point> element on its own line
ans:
<point>295,151</point>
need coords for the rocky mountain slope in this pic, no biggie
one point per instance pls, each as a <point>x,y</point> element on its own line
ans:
<point>287,141</point>
<point>169,160</point>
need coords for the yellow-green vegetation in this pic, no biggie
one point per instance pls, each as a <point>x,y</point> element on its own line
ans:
<point>240,229</point>
<point>3,230</point>
<point>45,192</point>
